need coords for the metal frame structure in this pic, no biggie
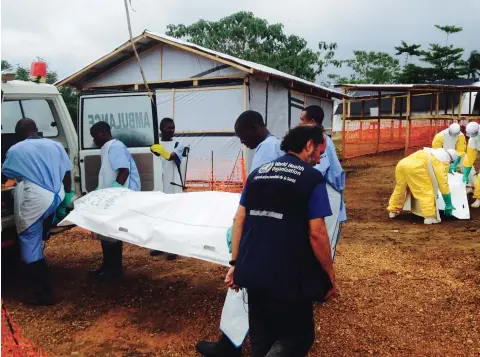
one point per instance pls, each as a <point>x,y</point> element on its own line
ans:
<point>408,92</point>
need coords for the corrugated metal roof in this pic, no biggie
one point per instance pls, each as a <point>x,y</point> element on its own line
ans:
<point>434,87</point>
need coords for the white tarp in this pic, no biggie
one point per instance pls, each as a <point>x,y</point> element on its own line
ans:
<point>459,199</point>
<point>190,224</point>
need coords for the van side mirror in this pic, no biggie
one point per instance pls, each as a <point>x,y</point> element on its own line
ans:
<point>53,124</point>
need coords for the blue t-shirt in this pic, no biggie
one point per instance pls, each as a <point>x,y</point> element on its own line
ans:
<point>41,161</point>
<point>318,205</point>
<point>120,158</point>
<point>267,151</point>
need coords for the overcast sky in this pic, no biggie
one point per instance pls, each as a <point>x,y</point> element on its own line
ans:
<point>71,34</point>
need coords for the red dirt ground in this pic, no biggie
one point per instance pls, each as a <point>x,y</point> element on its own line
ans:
<point>405,289</point>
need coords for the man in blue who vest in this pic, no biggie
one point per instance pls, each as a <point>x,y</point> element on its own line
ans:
<point>252,132</point>
<point>43,168</point>
<point>281,249</point>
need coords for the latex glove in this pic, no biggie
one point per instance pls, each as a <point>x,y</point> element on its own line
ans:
<point>62,208</point>
<point>453,165</point>
<point>116,184</point>
<point>448,204</point>
<point>159,150</point>
<point>69,196</point>
<point>229,239</point>
<point>466,173</point>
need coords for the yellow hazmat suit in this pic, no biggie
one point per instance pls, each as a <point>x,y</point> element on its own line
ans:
<point>443,140</point>
<point>472,153</point>
<point>412,172</point>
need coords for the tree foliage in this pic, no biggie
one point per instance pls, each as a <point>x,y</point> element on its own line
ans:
<point>408,50</point>
<point>251,38</point>
<point>441,62</point>
<point>369,68</point>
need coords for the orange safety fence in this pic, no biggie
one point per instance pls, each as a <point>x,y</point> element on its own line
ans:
<point>216,175</point>
<point>363,137</point>
<point>14,344</point>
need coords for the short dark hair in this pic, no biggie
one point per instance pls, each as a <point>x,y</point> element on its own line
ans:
<point>25,126</point>
<point>101,127</point>
<point>164,122</point>
<point>249,119</point>
<point>315,112</point>
<point>297,138</point>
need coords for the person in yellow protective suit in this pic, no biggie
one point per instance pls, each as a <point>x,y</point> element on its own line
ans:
<point>451,138</point>
<point>413,172</point>
<point>472,152</point>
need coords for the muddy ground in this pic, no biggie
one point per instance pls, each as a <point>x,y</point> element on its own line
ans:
<point>406,289</point>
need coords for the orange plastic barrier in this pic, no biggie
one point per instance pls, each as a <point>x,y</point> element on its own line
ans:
<point>14,344</point>
<point>216,175</point>
<point>364,137</point>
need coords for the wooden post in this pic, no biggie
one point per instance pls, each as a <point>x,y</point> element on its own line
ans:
<point>173,103</point>
<point>408,124</point>
<point>212,184</point>
<point>378,121</point>
<point>470,106</point>
<point>392,122</point>
<point>362,117</point>
<point>344,116</point>
<point>437,112</point>
<point>460,104</point>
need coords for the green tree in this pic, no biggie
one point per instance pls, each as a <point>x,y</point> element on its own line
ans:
<point>441,62</point>
<point>251,38</point>
<point>369,68</point>
<point>408,50</point>
<point>473,65</point>
<point>449,29</point>
<point>6,65</point>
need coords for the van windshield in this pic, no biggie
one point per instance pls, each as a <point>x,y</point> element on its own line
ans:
<point>40,110</point>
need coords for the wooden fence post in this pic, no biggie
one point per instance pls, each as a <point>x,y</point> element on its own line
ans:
<point>408,124</point>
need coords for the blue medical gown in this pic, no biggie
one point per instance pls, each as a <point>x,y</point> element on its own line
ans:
<point>267,151</point>
<point>332,171</point>
<point>43,162</point>
<point>120,158</point>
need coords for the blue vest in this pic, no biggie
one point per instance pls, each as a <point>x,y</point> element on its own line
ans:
<point>275,255</point>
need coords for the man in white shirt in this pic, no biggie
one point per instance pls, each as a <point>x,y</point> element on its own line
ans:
<point>173,182</point>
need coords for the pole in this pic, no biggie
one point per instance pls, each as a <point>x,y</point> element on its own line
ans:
<point>378,121</point>
<point>409,124</point>
<point>136,53</point>
<point>212,173</point>
<point>344,116</point>
<point>362,117</point>
<point>460,105</point>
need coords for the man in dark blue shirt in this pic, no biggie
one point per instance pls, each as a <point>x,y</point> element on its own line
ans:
<point>281,249</point>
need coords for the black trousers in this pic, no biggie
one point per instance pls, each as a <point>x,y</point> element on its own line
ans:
<point>279,328</point>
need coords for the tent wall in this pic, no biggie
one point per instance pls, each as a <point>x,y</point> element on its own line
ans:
<point>178,64</point>
<point>129,72</point>
<point>163,63</point>
<point>204,120</point>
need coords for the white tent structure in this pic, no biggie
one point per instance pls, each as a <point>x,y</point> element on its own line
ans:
<point>202,90</point>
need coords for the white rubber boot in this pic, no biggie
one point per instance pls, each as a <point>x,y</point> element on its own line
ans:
<point>476,204</point>
<point>392,214</point>
<point>430,220</point>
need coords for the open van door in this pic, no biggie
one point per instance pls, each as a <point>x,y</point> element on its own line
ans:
<point>133,121</point>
